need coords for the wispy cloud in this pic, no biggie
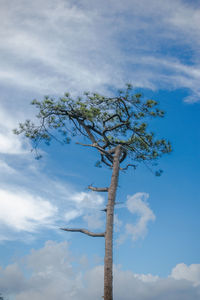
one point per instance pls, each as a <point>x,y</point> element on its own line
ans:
<point>81,46</point>
<point>5,168</point>
<point>10,143</point>
<point>24,208</point>
<point>24,212</point>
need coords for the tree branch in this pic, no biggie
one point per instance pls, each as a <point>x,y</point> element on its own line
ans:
<point>100,149</point>
<point>105,162</point>
<point>129,165</point>
<point>124,155</point>
<point>125,123</point>
<point>95,189</point>
<point>85,231</point>
<point>90,135</point>
<point>105,209</point>
<point>86,145</point>
<point>111,117</point>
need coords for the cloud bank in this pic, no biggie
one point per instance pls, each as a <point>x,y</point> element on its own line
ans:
<point>52,276</point>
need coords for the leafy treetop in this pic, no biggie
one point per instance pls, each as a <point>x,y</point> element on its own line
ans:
<point>105,121</point>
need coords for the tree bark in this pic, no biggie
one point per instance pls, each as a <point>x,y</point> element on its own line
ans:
<point>108,260</point>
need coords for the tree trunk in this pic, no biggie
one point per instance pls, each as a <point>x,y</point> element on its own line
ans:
<point>108,260</point>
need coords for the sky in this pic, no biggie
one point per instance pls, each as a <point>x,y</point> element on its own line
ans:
<point>53,47</point>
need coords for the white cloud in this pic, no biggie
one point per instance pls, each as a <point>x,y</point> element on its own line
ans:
<point>94,45</point>
<point>190,273</point>
<point>137,205</point>
<point>147,277</point>
<point>117,223</point>
<point>87,200</point>
<point>52,276</point>
<point>86,205</point>
<point>9,143</point>
<point>72,214</point>
<point>5,168</point>
<point>94,220</point>
<point>23,212</point>
<point>12,273</point>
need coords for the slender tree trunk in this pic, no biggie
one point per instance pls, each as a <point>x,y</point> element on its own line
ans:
<point>108,260</point>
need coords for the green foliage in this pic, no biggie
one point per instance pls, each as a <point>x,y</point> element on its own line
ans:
<point>106,121</point>
<point>98,164</point>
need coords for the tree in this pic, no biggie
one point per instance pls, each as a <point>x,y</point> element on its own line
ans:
<point>116,127</point>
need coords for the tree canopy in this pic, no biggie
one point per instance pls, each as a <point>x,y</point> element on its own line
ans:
<point>105,121</point>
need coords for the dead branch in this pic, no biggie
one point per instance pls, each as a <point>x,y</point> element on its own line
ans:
<point>105,209</point>
<point>85,231</point>
<point>86,145</point>
<point>95,189</point>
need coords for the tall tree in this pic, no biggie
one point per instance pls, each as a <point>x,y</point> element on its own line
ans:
<point>117,128</point>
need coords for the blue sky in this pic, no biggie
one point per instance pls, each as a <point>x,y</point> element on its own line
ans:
<point>58,46</point>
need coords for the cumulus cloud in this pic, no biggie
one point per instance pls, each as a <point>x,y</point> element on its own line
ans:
<point>52,276</point>
<point>100,44</point>
<point>190,273</point>
<point>137,205</point>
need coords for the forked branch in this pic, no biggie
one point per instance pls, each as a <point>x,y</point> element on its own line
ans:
<point>85,231</point>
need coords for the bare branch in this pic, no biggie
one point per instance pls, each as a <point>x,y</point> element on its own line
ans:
<point>105,209</point>
<point>95,189</point>
<point>129,165</point>
<point>90,135</point>
<point>101,150</point>
<point>86,145</point>
<point>85,231</point>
